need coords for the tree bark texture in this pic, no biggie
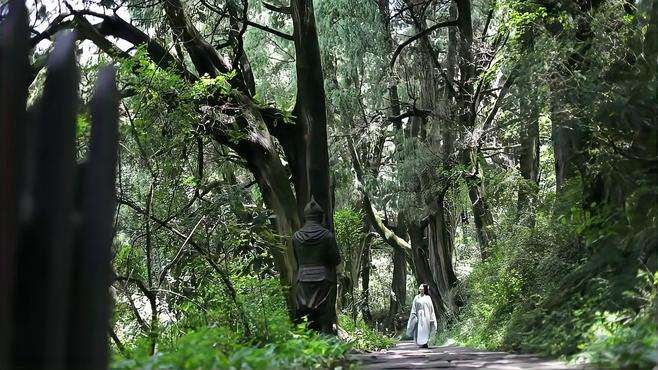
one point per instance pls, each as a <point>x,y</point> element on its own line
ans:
<point>467,116</point>
<point>365,284</point>
<point>441,247</point>
<point>438,129</point>
<point>528,159</point>
<point>310,109</point>
<point>399,279</point>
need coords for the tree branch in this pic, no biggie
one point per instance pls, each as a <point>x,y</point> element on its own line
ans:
<point>138,283</point>
<point>270,30</point>
<point>113,25</point>
<point>384,232</point>
<point>503,91</point>
<point>118,343</point>
<point>278,9</point>
<point>55,26</point>
<point>178,254</point>
<point>485,30</point>
<point>414,112</point>
<point>88,31</point>
<point>203,55</point>
<point>420,34</point>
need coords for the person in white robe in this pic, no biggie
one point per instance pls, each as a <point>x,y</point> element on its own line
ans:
<point>422,320</point>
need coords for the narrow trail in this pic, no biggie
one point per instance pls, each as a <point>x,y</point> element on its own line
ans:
<point>406,355</point>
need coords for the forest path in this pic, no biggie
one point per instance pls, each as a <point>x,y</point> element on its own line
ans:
<point>406,355</point>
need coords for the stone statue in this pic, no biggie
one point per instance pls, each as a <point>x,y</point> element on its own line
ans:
<point>317,257</point>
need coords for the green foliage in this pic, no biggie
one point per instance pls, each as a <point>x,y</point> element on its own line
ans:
<point>82,126</point>
<point>542,290</point>
<point>527,297</point>
<point>207,87</point>
<point>579,279</point>
<point>212,337</point>
<point>348,227</point>
<point>222,348</point>
<point>363,337</point>
<point>626,339</point>
<point>567,284</point>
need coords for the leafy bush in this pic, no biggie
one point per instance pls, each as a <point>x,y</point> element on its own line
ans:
<point>538,293</point>
<point>215,338</point>
<point>625,339</point>
<point>222,348</point>
<point>363,337</point>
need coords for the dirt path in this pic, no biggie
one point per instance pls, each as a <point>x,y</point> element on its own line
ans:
<point>405,355</point>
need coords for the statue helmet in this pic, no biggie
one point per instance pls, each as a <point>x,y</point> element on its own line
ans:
<point>313,211</point>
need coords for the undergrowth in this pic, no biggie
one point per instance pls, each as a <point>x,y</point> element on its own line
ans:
<point>579,287</point>
<point>215,339</point>
<point>222,348</point>
<point>362,336</point>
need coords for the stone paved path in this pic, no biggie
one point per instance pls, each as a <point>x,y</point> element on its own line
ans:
<point>406,355</point>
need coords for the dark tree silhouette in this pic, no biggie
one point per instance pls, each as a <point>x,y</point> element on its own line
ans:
<point>56,227</point>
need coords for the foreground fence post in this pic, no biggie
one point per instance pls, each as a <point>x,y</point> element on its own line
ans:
<point>56,216</point>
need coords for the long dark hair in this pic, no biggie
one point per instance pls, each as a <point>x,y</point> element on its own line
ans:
<point>426,289</point>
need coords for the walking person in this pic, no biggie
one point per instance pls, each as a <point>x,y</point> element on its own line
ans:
<point>422,320</point>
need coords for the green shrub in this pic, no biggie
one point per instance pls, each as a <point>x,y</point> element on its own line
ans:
<point>362,336</point>
<point>538,293</point>
<point>625,339</point>
<point>223,348</point>
<point>215,338</point>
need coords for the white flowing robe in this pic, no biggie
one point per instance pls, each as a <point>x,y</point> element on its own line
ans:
<point>422,321</point>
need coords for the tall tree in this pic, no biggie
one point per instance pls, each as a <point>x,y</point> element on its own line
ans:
<point>256,130</point>
<point>568,132</point>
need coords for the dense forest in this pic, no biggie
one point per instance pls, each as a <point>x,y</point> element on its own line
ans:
<point>504,152</point>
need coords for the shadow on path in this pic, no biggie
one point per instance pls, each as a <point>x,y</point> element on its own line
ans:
<point>406,355</point>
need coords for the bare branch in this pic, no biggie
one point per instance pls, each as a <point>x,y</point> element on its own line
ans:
<point>386,234</point>
<point>488,21</point>
<point>278,9</point>
<point>138,283</point>
<point>113,25</point>
<point>414,112</point>
<point>409,7</point>
<point>420,34</point>
<point>203,55</point>
<point>503,91</point>
<point>270,30</point>
<point>56,25</point>
<point>178,254</point>
<point>88,31</point>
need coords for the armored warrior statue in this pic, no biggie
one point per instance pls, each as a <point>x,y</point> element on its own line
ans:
<point>317,257</point>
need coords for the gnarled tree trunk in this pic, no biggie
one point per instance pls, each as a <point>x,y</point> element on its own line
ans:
<point>437,132</point>
<point>312,164</point>
<point>440,248</point>
<point>421,264</point>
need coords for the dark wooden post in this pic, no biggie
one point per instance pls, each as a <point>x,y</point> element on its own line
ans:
<point>56,225</point>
